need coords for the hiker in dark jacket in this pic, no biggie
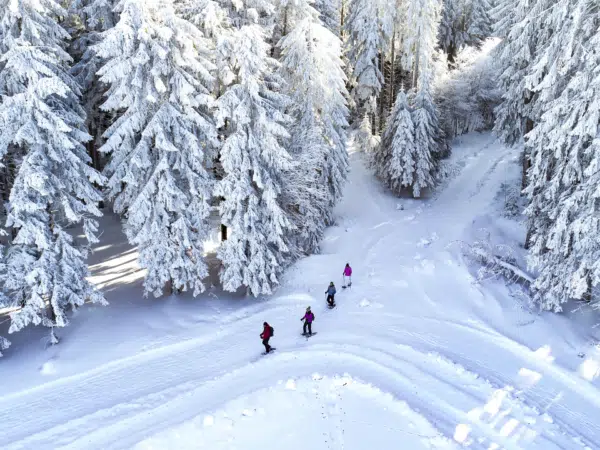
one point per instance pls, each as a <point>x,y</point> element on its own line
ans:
<point>266,335</point>
<point>308,320</point>
<point>330,294</point>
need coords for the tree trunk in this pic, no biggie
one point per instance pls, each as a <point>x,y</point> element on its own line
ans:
<point>342,17</point>
<point>223,232</point>
<point>451,55</point>
<point>587,296</point>
<point>528,236</point>
<point>381,120</point>
<point>525,157</point>
<point>393,71</point>
<point>416,67</point>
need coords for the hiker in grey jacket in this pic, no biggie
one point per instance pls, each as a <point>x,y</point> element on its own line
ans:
<point>330,294</point>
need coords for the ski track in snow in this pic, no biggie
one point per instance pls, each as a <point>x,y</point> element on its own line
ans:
<point>408,355</point>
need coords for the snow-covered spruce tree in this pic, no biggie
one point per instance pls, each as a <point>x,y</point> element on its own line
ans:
<point>504,14</point>
<point>254,162</point>
<point>427,137</point>
<point>313,69</point>
<point>418,53</point>
<point>329,13</point>
<point>480,22</point>
<point>565,153</point>
<point>420,39</point>
<point>89,18</point>
<point>41,122</point>
<point>368,28</point>
<point>516,55</point>
<point>160,84</point>
<point>395,160</point>
<point>464,23</point>
<point>452,33</point>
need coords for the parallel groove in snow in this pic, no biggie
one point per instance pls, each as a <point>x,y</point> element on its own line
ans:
<point>454,370</point>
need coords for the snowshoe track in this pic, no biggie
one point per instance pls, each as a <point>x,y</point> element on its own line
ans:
<point>462,382</point>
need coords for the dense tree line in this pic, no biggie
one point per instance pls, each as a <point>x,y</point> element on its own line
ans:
<point>166,111</point>
<point>549,75</point>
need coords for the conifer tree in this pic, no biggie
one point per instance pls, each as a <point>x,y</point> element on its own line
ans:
<point>464,23</point>
<point>313,69</point>
<point>418,53</point>
<point>564,149</point>
<point>254,162</point>
<point>159,78</point>
<point>368,28</point>
<point>396,159</point>
<point>329,14</point>
<point>89,19</point>
<point>42,125</point>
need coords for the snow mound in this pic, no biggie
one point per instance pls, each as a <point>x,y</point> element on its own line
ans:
<point>49,368</point>
<point>312,412</point>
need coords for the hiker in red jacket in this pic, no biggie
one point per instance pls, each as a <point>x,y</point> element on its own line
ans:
<point>266,335</point>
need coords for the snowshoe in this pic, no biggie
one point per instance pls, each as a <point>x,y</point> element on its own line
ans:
<point>307,335</point>
<point>272,350</point>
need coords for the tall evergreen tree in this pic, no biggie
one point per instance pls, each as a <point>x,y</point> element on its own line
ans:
<point>89,19</point>
<point>41,122</point>
<point>418,54</point>
<point>565,154</point>
<point>516,54</point>
<point>368,30</point>
<point>159,77</point>
<point>464,23</point>
<point>480,22</point>
<point>313,69</point>
<point>452,33</point>
<point>427,136</point>
<point>329,13</point>
<point>254,161</point>
<point>396,159</point>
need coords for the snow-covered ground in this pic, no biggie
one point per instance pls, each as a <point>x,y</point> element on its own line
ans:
<point>416,355</point>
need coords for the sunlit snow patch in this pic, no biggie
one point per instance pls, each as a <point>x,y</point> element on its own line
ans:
<point>317,412</point>
<point>589,369</point>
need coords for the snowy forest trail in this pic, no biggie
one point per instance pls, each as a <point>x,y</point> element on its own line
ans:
<point>415,351</point>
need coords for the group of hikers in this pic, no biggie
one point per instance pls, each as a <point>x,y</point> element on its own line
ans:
<point>309,316</point>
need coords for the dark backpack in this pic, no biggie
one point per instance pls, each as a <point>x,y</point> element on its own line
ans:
<point>272,331</point>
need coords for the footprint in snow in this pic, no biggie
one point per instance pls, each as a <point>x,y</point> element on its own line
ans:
<point>424,243</point>
<point>364,303</point>
<point>48,368</point>
<point>426,267</point>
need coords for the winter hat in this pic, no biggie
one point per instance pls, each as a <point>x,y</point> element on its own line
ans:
<point>308,309</point>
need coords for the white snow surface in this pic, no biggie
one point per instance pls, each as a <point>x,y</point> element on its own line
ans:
<point>417,355</point>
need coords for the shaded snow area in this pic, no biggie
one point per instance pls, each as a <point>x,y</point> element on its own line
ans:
<point>419,353</point>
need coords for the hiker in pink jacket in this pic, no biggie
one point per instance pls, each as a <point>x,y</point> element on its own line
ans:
<point>347,276</point>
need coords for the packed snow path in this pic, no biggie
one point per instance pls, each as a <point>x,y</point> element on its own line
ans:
<point>415,353</point>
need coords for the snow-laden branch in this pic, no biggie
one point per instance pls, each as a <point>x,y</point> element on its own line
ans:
<point>505,265</point>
